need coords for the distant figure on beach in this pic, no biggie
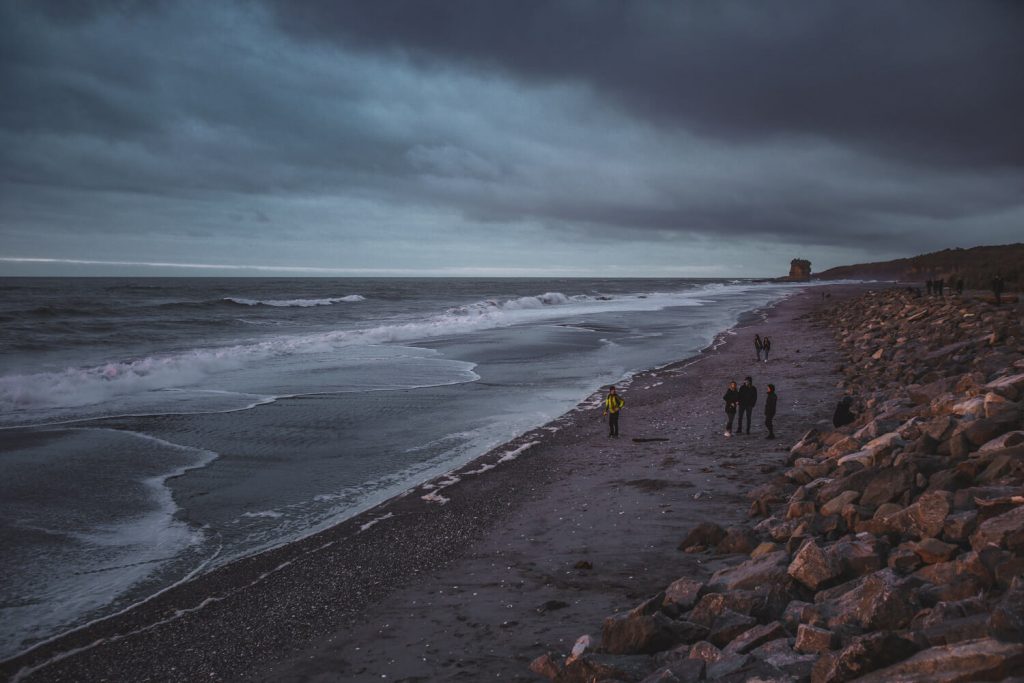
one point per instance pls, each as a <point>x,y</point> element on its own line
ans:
<point>758,345</point>
<point>928,286</point>
<point>732,399</point>
<point>997,289</point>
<point>939,285</point>
<point>960,287</point>
<point>766,346</point>
<point>843,415</point>
<point>748,399</point>
<point>612,405</point>
<point>770,402</point>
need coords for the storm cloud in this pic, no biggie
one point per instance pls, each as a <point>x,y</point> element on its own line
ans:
<point>521,137</point>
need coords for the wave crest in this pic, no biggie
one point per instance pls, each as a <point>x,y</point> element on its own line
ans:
<point>299,303</point>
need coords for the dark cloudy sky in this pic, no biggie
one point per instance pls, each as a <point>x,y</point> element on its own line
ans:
<point>523,137</point>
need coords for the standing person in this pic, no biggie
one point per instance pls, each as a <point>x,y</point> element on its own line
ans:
<point>939,284</point>
<point>758,345</point>
<point>960,287</point>
<point>997,289</point>
<point>770,402</point>
<point>732,399</point>
<point>748,399</point>
<point>766,345</point>
<point>928,286</point>
<point>612,405</point>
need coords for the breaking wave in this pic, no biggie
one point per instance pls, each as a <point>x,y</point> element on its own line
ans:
<point>300,303</point>
<point>81,386</point>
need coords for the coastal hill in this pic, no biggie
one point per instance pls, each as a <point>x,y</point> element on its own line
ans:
<point>977,266</point>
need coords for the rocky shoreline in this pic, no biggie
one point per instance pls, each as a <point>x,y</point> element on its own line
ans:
<point>891,549</point>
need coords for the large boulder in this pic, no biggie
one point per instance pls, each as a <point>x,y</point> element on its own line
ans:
<point>645,629</point>
<point>1007,620</point>
<point>728,625</point>
<point>922,519</point>
<point>605,667</point>
<point>883,600</point>
<point>860,554</point>
<point>756,636</point>
<point>1011,386</point>
<point>1005,531</point>
<point>683,593</point>
<point>984,659</point>
<point>887,485</point>
<point>813,567</point>
<point>704,535</point>
<point>766,570</point>
<point>863,655</point>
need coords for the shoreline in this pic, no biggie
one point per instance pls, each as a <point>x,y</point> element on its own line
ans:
<point>86,649</point>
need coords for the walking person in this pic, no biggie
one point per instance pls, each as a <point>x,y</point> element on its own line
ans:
<point>939,284</point>
<point>770,402</point>
<point>612,405</point>
<point>960,287</point>
<point>766,346</point>
<point>732,399</point>
<point>748,399</point>
<point>758,345</point>
<point>928,286</point>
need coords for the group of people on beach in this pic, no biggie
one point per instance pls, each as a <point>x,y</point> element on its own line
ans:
<point>742,400</point>
<point>738,400</point>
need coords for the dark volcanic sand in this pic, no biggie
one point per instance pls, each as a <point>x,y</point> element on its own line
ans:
<point>454,591</point>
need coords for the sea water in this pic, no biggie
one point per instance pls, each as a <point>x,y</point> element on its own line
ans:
<point>151,429</point>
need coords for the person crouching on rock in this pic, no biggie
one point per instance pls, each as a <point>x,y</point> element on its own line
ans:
<point>748,399</point>
<point>612,405</point>
<point>843,415</point>
<point>770,402</point>
<point>732,399</point>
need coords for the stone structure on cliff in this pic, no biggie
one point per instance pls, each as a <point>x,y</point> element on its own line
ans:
<point>799,270</point>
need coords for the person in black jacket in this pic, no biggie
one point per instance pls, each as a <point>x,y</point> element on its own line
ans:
<point>732,399</point>
<point>758,345</point>
<point>843,415</point>
<point>770,402</point>
<point>748,399</point>
<point>766,346</point>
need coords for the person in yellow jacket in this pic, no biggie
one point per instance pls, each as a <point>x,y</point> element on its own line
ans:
<point>612,405</point>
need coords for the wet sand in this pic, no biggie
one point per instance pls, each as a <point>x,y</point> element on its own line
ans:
<point>475,574</point>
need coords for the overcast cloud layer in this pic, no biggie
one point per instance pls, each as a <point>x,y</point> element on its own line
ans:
<point>519,138</point>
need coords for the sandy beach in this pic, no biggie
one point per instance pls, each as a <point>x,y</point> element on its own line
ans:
<point>476,573</point>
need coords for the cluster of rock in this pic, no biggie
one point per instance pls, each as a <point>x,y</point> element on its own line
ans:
<point>892,549</point>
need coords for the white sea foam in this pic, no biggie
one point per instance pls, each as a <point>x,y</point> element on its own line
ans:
<point>272,514</point>
<point>300,303</point>
<point>84,386</point>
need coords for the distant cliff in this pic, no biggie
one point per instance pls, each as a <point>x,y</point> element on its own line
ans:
<point>977,266</point>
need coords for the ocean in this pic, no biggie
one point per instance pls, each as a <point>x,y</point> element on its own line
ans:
<point>153,429</point>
